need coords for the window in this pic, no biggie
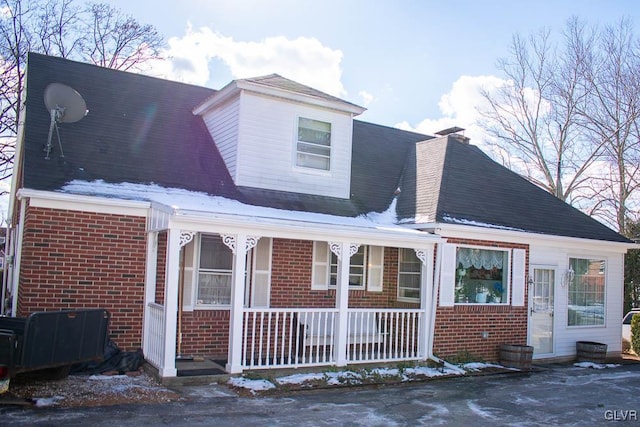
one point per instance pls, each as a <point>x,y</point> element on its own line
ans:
<point>214,272</point>
<point>409,275</point>
<point>313,148</point>
<point>357,270</point>
<point>481,276</point>
<point>365,268</point>
<point>586,292</point>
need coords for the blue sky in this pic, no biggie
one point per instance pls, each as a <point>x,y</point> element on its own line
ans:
<point>412,63</point>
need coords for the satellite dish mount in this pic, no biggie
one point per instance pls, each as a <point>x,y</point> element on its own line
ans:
<point>65,105</point>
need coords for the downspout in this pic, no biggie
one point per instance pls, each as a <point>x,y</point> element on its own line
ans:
<point>17,258</point>
<point>432,317</point>
<point>5,272</point>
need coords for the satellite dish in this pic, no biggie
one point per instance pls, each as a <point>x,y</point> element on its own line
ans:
<point>65,106</point>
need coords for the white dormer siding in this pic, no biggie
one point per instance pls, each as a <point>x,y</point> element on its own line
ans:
<point>256,133</point>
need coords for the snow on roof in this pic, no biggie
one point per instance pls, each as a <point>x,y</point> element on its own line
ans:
<point>185,202</point>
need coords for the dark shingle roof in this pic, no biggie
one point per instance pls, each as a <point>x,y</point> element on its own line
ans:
<point>279,82</point>
<point>458,183</point>
<point>141,129</point>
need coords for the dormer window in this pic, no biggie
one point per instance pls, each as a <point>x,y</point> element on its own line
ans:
<point>313,148</point>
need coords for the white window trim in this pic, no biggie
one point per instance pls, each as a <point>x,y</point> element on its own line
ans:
<point>365,270</point>
<point>507,271</point>
<point>326,264</point>
<point>294,160</point>
<point>196,278</point>
<point>403,298</point>
<point>606,282</point>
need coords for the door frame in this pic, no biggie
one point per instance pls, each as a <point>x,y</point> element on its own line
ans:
<point>530,283</point>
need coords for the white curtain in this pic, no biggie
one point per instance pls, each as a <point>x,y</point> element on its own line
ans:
<point>480,258</point>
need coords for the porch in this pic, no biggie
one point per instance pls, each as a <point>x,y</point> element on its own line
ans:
<point>295,338</point>
<point>328,327</point>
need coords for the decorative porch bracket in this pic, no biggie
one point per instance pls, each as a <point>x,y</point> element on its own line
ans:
<point>230,241</point>
<point>421,254</point>
<point>336,248</point>
<point>186,237</point>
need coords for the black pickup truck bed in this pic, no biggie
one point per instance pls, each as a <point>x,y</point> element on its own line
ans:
<point>51,339</point>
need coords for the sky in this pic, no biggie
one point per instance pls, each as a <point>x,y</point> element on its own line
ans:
<point>413,64</point>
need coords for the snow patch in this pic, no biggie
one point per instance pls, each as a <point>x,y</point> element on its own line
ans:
<point>106,377</point>
<point>251,385</point>
<point>478,366</point>
<point>301,378</point>
<point>430,372</point>
<point>184,201</point>
<point>463,221</point>
<point>47,401</point>
<point>595,365</point>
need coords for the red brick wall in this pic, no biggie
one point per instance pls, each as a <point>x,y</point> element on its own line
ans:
<point>74,260</point>
<point>291,280</point>
<point>205,332</point>
<point>459,328</point>
<point>161,267</point>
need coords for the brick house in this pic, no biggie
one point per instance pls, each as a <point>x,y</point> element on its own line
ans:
<point>263,225</point>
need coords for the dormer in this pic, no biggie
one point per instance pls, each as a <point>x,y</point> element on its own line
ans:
<point>276,134</point>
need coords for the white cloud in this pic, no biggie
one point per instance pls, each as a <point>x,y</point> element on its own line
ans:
<point>460,107</point>
<point>303,59</point>
<point>367,98</point>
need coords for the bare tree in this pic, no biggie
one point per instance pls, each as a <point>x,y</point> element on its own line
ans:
<point>95,33</point>
<point>534,116</point>
<point>568,117</point>
<point>612,117</point>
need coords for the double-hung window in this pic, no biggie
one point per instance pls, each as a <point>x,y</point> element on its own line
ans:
<point>313,148</point>
<point>215,266</point>
<point>357,270</point>
<point>365,268</point>
<point>586,291</point>
<point>409,275</point>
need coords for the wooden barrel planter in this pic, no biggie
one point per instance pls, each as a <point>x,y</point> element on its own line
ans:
<point>589,351</point>
<point>516,356</point>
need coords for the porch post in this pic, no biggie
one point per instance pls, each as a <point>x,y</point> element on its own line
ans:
<point>343,251</point>
<point>168,367</point>
<point>239,245</point>
<point>426,299</point>
<point>149,284</point>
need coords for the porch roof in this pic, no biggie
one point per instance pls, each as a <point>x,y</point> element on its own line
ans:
<point>173,208</point>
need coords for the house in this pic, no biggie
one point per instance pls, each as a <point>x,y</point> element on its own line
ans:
<point>263,225</point>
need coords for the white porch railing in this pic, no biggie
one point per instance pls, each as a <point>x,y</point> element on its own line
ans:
<point>154,353</point>
<point>276,338</point>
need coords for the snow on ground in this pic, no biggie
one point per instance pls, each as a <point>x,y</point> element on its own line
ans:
<point>251,385</point>
<point>595,365</point>
<point>477,366</point>
<point>365,376</point>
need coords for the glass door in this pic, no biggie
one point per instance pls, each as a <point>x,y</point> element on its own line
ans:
<point>541,310</point>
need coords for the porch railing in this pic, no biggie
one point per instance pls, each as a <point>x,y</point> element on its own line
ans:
<point>154,351</point>
<point>275,338</point>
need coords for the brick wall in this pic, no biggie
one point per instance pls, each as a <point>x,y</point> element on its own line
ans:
<point>205,332</point>
<point>291,280</point>
<point>73,260</point>
<point>459,328</point>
